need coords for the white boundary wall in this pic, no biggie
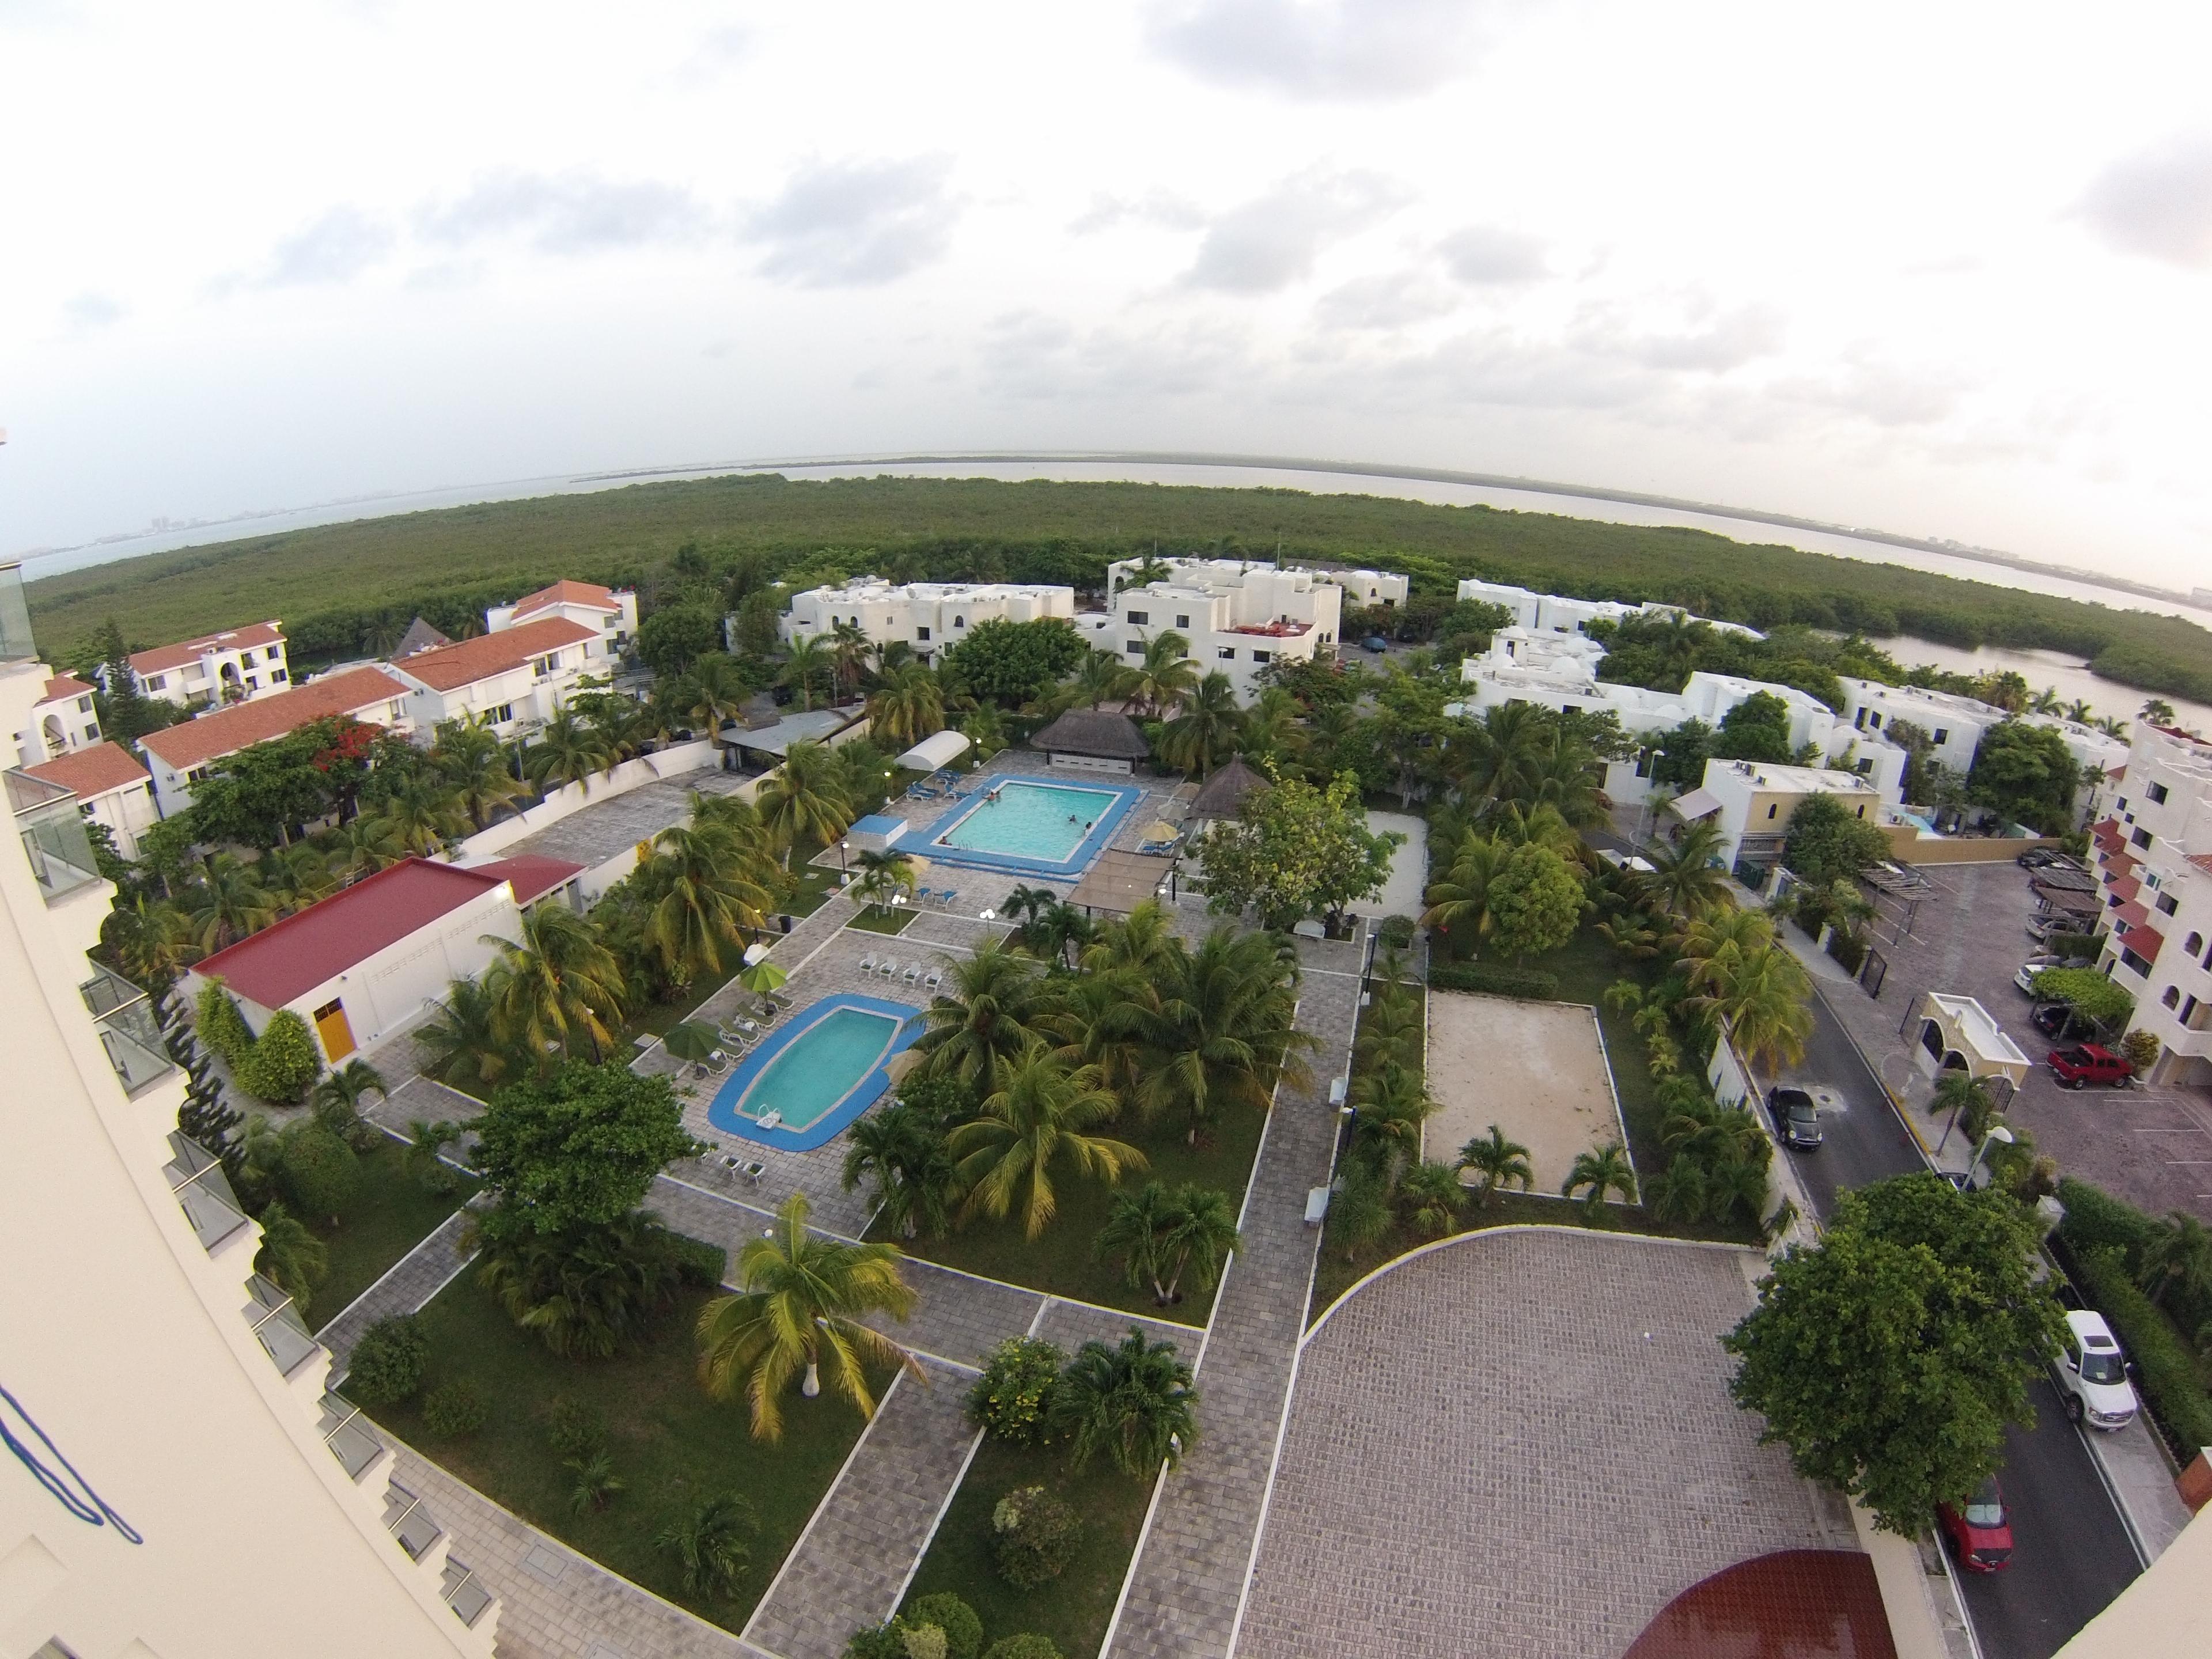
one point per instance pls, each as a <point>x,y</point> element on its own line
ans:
<point>572,797</point>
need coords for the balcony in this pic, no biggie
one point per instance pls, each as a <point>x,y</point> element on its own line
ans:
<point>52,829</point>
<point>277,1323</point>
<point>406,1520</point>
<point>128,1031</point>
<point>349,1438</point>
<point>465,1594</point>
<point>197,1179</point>
<point>15,643</point>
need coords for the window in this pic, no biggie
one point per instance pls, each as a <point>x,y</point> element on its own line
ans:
<point>1866,767</point>
<point>1875,719</point>
<point>1135,648</point>
<point>1862,811</point>
<point>2167,904</point>
<point>157,683</point>
<point>1226,653</point>
<point>84,705</point>
<point>1139,619</point>
<point>921,632</point>
<point>503,714</point>
<point>1859,720</point>
<point>198,774</point>
<point>1263,656</point>
<point>2193,943</point>
<point>2140,837</point>
<point>1942,736</point>
<point>277,677</point>
<point>2134,962</point>
<point>2172,997</point>
<point>2157,793</point>
<point>1771,811</point>
<point>1182,621</point>
<point>960,622</point>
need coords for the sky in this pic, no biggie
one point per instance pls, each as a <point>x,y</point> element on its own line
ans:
<point>1938,270</point>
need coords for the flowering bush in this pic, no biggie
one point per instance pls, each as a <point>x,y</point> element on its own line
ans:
<point>1013,1396</point>
<point>1035,1535</point>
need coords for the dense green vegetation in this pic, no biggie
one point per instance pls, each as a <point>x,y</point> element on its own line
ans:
<point>341,587</point>
<point>390,1212</point>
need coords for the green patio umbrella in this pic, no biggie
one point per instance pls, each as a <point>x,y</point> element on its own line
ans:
<point>688,1040</point>
<point>760,978</point>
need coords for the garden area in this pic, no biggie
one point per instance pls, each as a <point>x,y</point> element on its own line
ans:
<point>389,1212</point>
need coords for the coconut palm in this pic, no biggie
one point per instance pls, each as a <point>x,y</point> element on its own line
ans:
<point>1160,1235</point>
<point>1497,1160</point>
<point>1036,1118</point>
<point>462,1041</point>
<point>2045,702</point>
<point>849,645</point>
<point>227,902</point>
<point>713,886</point>
<point>1686,876</point>
<point>568,751</point>
<point>1134,1402</point>
<point>2178,1255</point>
<point>291,1257</point>
<point>2156,711</point>
<point>1223,1030</point>
<point>908,708</point>
<point>337,1100</point>
<point>1388,1106</point>
<point>1393,1032</point>
<point>1101,676</point>
<point>800,1310</point>
<point>1762,994</point>
<point>1596,1174</point>
<point>427,1142</point>
<point>1165,675</point>
<point>297,876</point>
<point>906,1157</point>
<point>1275,728</point>
<point>2079,711</point>
<point>804,799</point>
<point>364,845</point>
<point>1026,904</point>
<point>993,1006</point>
<point>1493,758</point>
<point>1460,901</point>
<point>1136,1229</point>
<point>708,1543</point>
<point>588,1293</point>
<point>1206,731</point>
<point>1565,775</point>
<point>1432,1192</point>
<point>881,875</point>
<point>153,937</point>
<point>472,761</point>
<point>2110,724</point>
<point>424,812</point>
<point>807,665</point>
<point>556,983</point>
<point>986,728</point>
<point>717,693</point>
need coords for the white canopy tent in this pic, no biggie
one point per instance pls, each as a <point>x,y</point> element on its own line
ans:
<point>931,752</point>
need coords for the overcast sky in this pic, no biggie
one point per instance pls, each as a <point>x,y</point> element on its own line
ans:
<point>1942,270</point>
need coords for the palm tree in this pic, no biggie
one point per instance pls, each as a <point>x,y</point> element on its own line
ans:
<point>472,761</point>
<point>2180,1254</point>
<point>1433,1190</point>
<point>1202,735</point>
<point>2156,712</point>
<point>1595,1174</point>
<point>2045,702</point>
<point>337,1096</point>
<point>1136,1227</point>
<point>297,877</point>
<point>1762,994</point>
<point>717,693</point>
<point>1497,1160</point>
<point>991,1008</point>
<point>424,811</point>
<point>807,663</point>
<point>2110,724</point>
<point>1165,675</point>
<point>557,982</point>
<point>290,1257</point>
<point>909,707</point>
<point>228,902</point>
<point>588,1293</point>
<point>1223,1030</point>
<point>708,1543</point>
<point>426,1146</point>
<point>849,645</point>
<point>1686,877</point>
<point>364,845</point>
<point>1388,1106</point>
<point>712,887</point>
<point>1462,899</point>
<point>1101,676</point>
<point>462,1039</point>
<point>1392,1032</point>
<point>914,1173</point>
<point>1036,1117</point>
<point>596,1483</point>
<point>1028,904</point>
<point>1162,1234</point>
<point>568,751</point>
<point>1493,758</point>
<point>1134,1402</point>
<point>1273,729</point>
<point>804,799</point>
<point>986,728</point>
<point>800,1310</point>
<point>2079,711</point>
<point>883,874</point>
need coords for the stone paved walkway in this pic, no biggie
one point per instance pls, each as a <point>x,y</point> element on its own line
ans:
<point>410,1283</point>
<point>1182,1597</point>
<point>850,1566</point>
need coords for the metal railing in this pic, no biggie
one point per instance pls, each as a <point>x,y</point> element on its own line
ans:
<point>123,1016</point>
<point>53,833</point>
<point>406,1520</point>
<point>349,1438</point>
<point>197,1179</point>
<point>277,1323</point>
<point>15,642</point>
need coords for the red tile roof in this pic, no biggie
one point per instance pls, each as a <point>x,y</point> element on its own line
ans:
<point>291,958</point>
<point>450,667</point>
<point>2145,942</point>
<point>226,731</point>
<point>2202,861</point>
<point>251,636</point>
<point>93,771</point>
<point>567,592</point>
<point>65,685</point>
<point>530,875</point>
<point>2123,887</point>
<point>2131,916</point>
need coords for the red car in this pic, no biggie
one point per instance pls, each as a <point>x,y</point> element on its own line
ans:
<point>2086,1063</point>
<point>1979,1530</point>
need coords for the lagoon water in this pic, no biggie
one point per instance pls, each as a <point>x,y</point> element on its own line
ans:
<point>2068,676</point>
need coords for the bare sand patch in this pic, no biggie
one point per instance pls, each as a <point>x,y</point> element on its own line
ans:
<point>1535,1069</point>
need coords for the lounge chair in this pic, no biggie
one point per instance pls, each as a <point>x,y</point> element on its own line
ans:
<point>912,975</point>
<point>868,962</point>
<point>934,979</point>
<point>946,895</point>
<point>921,895</point>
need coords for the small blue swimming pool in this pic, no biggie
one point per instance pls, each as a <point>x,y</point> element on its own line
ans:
<point>808,1080</point>
<point>1031,826</point>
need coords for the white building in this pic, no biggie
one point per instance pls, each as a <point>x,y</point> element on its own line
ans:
<point>611,612</point>
<point>514,680</point>
<point>219,1499</point>
<point>112,789</point>
<point>1753,804</point>
<point>1238,617</point>
<point>1367,587</point>
<point>63,718</point>
<point>367,962</point>
<point>928,615</point>
<point>1954,723</point>
<point>2155,869</point>
<point>180,755</point>
<point>235,663</point>
<point>1557,613</point>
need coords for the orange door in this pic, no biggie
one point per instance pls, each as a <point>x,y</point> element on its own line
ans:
<point>336,1033</point>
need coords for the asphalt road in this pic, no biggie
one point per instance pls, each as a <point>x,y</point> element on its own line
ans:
<point>2070,1554</point>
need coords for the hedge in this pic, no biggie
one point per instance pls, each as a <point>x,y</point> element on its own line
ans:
<point>2165,1368</point>
<point>2095,1220</point>
<point>1531,984</point>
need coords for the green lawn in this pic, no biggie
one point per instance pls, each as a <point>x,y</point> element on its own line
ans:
<point>870,919</point>
<point>1059,1260</point>
<point>815,883</point>
<point>671,1445</point>
<point>389,1215</point>
<point>1073,1610</point>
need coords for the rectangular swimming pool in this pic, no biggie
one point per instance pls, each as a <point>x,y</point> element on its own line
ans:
<point>806,1082</point>
<point>1032,826</point>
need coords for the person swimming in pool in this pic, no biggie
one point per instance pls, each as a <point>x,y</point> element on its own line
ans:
<point>1072,818</point>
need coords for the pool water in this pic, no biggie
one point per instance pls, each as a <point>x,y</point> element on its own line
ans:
<point>819,1067</point>
<point>1043,820</point>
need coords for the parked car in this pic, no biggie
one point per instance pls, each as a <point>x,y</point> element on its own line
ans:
<point>2058,1021</point>
<point>2026,977</point>
<point>1796,1118</point>
<point>2048,858</point>
<point>2086,1063</point>
<point>1375,643</point>
<point>2042,927</point>
<point>1979,1530</point>
<point>2092,1373</point>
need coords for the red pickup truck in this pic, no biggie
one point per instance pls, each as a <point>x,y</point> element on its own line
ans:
<point>2086,1063</point>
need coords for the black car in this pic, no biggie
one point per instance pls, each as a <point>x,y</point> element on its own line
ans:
<point>2056,1021</point>
<point>1796,1118</point>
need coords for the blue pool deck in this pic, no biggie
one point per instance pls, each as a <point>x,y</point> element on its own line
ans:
<point>726,1112</point>
<point>930,843</point>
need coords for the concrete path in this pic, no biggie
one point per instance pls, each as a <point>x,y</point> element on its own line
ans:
<point>852,1564</point>
<point>1182,1598</point>
<point>406,1287</point>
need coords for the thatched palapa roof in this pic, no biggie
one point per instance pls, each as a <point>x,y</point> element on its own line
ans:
<point>1224,791</point>
<point>419,636</point>
<point>1096,732</point>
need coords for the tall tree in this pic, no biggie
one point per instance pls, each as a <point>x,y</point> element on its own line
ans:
<point>993,1006</point>
<point>568,749</point>
<point>909,706</point>
<point>1294,849</point>
<point>1038,1118</point>
<point>1165,677</point>
<point>804,799</point>
<point>579,1147</point>
<point>555,985</point>
<point>1206,731</point>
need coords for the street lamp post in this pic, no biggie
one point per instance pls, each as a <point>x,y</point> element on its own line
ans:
<point>2000,1135</point>
<point>843,847</point>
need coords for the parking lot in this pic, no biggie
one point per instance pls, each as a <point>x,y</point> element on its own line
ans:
<point>1968,936</point>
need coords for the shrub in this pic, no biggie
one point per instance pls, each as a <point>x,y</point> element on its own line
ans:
<point>2165,1367</point>
<point>579,1431</point>
<point>1530,984</point>
<point>221,1027</point>
<point>884,1640</point>
<point>453,1410</point>
<point>2075,947</point>
<point>1396,932</point>
<point>923,1641</point>
<point>1027,1646</point>
<point>1847,949</point>
<point>1035,1535</point>
<point>278,1064</point>
<point>2141,1049</point>
<point>388,1361</point>
<point>964,1630</point>
<point>1013,1396</point>
<point>699,1264</point>
<point>318,1171</point>
<point>2096,1220</point>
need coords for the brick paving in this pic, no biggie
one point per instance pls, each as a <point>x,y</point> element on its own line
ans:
<point>1185,1584</point>
<point>871,1528</point>
<point>1527,1435</point>
<point>411,1282</point>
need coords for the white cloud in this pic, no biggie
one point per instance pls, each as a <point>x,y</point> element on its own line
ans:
<point>1481,255</point>
<point>1323,49</point>
<point>335,248</point>
<point>2157,203</point>
<point>1385,300</point>
<point>1272,240</point>
<point>838,224</point>
<point>573,213</point>
<point>89,312</point>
